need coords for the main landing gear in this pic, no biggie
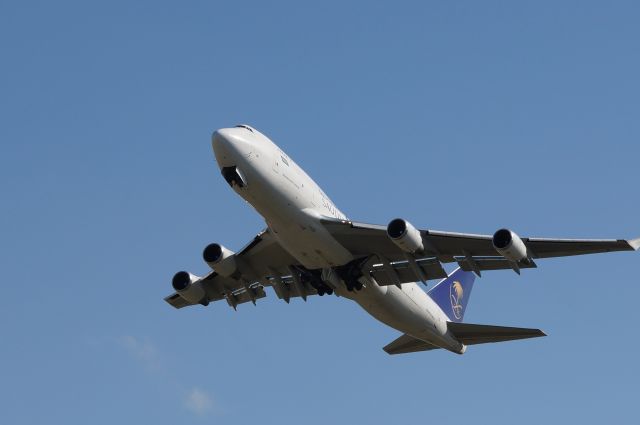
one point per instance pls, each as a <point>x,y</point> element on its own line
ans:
<point>353,286</point>
<point>314,278</point>
<point>351,273</point>
<point>324,290</point>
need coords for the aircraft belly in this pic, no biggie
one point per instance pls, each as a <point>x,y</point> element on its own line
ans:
<point>298,231</point>
<point>310,243</point>
<point>395,309</point>
<point>407,310</point>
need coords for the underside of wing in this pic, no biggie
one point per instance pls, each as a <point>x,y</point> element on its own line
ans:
<point>544,248</point>
<point>264,262</point>
<point>261,263</point>
<point>391,264</point>
<point>262,256</point>
<point>177,301</point>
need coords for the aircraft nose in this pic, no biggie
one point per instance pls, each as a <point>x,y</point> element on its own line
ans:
<point>229,146</point>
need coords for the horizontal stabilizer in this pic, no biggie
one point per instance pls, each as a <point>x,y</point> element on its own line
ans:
<point>470,334</point>
<point>408,344</point>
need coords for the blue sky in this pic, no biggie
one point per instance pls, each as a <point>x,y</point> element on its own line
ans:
<point>465,116</point>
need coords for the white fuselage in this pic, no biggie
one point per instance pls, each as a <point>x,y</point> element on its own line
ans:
<point>292,205</point>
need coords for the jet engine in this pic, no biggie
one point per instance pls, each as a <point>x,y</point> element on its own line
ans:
<point>403,234</point>
<point>220,259</point>
<point>509,245</point>
<point>188,286</point>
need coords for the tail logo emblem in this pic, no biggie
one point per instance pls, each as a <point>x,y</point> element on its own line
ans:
<point>456,293</point>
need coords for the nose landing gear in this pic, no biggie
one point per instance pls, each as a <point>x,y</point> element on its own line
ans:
<point>233,176</point>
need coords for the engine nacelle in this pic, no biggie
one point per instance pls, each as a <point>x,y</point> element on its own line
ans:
<point>509,245</point>
<point>403,234</point>
<point>220,259</point>
<point>188,286</point>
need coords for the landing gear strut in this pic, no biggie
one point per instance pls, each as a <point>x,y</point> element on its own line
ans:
<point>353,285</point>
<point>313,277</point>
<point>324,290</point>
<point>351,272</point>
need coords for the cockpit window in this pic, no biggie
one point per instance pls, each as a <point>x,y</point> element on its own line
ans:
<point>245,127</point>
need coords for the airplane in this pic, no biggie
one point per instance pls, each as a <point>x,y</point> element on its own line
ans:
<point>309,247</point>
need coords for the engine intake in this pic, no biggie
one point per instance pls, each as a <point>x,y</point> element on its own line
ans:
<point>509,245</point>
<point>181,280</point>
<point>220,259</point>
<point>404,235</point>
<point>188,286</point>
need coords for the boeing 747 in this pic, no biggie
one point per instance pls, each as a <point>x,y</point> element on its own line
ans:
<point>309,247</point>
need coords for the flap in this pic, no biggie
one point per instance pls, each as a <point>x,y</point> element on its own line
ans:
<point>491,263</point>
<point>402,272</point>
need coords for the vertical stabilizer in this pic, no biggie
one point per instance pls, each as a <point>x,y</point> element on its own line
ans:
<point>452,293</point>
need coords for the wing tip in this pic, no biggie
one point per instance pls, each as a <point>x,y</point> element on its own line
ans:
<point>634,243</point>
<point>175,301</point>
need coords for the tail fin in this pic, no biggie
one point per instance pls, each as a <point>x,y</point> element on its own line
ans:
<point>452,294</point>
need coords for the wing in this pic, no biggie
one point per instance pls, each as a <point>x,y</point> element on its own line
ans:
<point>471,251</point>
<point>261,263</point>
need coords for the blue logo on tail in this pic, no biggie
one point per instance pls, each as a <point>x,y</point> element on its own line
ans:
<point>452,294</point>
<point>457,295</point>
